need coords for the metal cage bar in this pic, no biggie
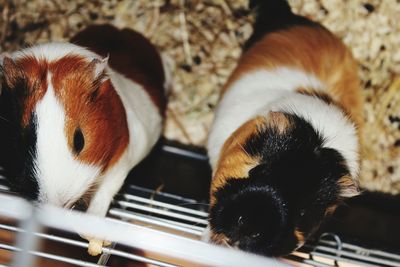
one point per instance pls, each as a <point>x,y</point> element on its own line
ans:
<point>137,210</point>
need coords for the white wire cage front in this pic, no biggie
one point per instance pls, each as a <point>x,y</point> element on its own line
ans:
<point>146,228</point>
<point>159,231</point>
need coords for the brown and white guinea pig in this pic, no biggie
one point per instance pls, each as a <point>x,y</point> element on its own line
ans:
<point>284,145</point>
<point>76,117</point>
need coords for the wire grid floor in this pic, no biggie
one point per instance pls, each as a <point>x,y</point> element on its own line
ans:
<point>185,218</point>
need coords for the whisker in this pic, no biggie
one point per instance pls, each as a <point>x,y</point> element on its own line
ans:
<point>225,242</point>
<point>243,149</point>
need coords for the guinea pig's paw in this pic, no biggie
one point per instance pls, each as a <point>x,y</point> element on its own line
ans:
<point>107,243</point>
<point>95,247</point>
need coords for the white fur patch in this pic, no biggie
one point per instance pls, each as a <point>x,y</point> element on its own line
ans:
<point>62,178</point>
<point>144,120</point>
<point>54,51</point>
<point>329,121</point>
<point>262,91</point>
<point>250,96</point>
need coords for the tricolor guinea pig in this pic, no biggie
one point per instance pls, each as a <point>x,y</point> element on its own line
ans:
<point>284,145</point>
<point>76,117</point>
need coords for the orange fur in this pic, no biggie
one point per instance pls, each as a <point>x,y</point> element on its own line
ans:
<point>314,50</point>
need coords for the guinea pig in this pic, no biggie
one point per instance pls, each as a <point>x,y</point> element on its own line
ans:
<point>77,117</point>
<point>284,144</point>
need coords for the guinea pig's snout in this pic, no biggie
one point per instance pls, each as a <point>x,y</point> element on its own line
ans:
<point>248,229</point>
<point>258,228</point>
<point>253,219</point>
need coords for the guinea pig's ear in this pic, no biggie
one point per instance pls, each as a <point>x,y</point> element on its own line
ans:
<point>11,73</point>
<point>332,164</point>
<point>348,187</point>
<point>2,57</point>
<point>99,66</point>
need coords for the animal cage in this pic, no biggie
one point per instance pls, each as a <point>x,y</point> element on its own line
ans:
<point>153,225</point>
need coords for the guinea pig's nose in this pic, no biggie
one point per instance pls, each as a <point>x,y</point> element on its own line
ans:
<point>246,228</point>
<point>255,235</point>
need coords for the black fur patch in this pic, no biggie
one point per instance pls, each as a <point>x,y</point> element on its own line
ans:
<point>251,213</point>
<point>291,189</point>
<point>17,143</point>
<point>273,15</point>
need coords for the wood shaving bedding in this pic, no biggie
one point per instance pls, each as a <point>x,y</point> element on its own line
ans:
<point>203,39</point>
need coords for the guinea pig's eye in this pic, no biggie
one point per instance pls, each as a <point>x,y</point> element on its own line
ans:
<point>302,212</point>
<point>79,141</point>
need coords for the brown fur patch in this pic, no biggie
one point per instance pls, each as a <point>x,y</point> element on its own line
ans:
<point>131,54</point>
<point>313,50</point>
<point>101,117</point>
<point>12,72</point>
<point>316,93</point>
<point>235,162</point>
<point>33,73</point>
